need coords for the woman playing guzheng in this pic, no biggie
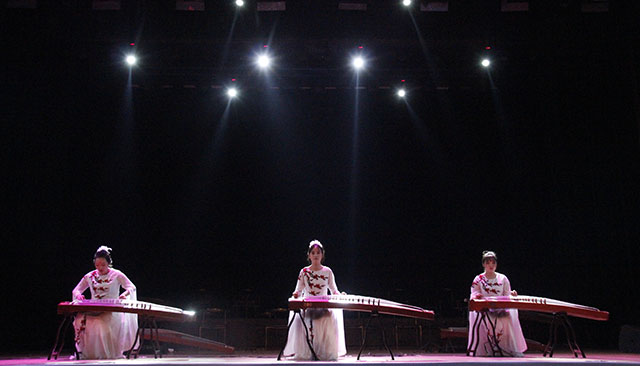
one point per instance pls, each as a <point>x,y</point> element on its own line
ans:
<point>508,332</point>
<point>326,326</point>
<point>104,335</point>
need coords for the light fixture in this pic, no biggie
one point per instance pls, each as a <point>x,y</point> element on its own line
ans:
<point>263,61</point>
<point>358,63</point>
<point>131,59</point>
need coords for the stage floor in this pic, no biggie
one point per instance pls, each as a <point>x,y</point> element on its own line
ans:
<point>370,358</point>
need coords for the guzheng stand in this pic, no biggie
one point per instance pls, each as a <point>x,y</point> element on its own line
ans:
<point>562,318</point>
<point>374,314</point>
<point>298,312</point>
<point>483,317</point>
<point>558,318</point>
<point>146,322</point>
<point>62,330</point>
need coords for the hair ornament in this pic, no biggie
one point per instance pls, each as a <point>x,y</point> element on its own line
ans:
<point>104,248</point>
<point>315,242</point>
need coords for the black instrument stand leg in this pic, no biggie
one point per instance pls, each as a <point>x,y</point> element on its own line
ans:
<point>364,337</point>
<point>306,333</point>
<point>287,338</point>
<point>496,346</point>
<point>138,339</point>
<point>155,339</point>
<point>384,339</point>
<point>575,341</point>
<point>374,314</point>
<point>475,335</point>
<point>62,329</point>
<point>553,335</point>
<point>571,338</point>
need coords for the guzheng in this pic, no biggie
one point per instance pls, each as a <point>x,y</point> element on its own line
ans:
<point>539,304</point>
<point>360,303</point>
<point>159,312</point>
<point>171,336</point>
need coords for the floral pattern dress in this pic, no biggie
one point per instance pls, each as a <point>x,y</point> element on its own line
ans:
<point>508,331</point>
<point>104,335</point>
<point>326,327</point>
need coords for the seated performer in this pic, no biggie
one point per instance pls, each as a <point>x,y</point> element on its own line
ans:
<point>104,335</point>
<point>326,326</point>
<point>507,332</point>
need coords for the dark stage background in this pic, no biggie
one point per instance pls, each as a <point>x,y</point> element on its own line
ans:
<point>208,205</point>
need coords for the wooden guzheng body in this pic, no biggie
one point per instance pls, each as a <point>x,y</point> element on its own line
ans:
<point>360,303</point>
<point>372,305</point>
<point>159,312</point>
<point>539,304</point>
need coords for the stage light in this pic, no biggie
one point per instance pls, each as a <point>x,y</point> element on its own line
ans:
<point>239,3</point>
<point>232,92</point>
<point>131,60</point>
<point>486,62</point>
<point>406,2</point>
<point>401,93</point>
<point>263,61</point>
<point>358,63</point>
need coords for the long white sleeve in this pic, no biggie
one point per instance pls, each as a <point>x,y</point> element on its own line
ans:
<point>81,287</point>
<point>507,286</point>
<point>332,284</point>
<point>126,284</point>
<point>475,288</point>
<point>300,283</point>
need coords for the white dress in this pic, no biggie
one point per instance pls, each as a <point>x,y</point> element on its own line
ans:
<point>508,330</point>
<point>105,335</point>
<point>326,327</point>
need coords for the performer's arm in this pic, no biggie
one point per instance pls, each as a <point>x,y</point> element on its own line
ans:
<point>126,284</point>
<point>332,284</point>
<point>299,285</point>
<point>475,289</point>
<point>81,287</point>
<point>507,288</point>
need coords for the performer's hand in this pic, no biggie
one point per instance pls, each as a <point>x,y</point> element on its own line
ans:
<point>514,293</point>
<point>124,295</point>
<point>477,296</point>
<point>295,295</point>
<point>80,297</point>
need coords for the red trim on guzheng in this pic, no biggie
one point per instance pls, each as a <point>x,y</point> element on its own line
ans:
<point>360,303</point>
<point>539,304</point>
<point>159,312</point>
